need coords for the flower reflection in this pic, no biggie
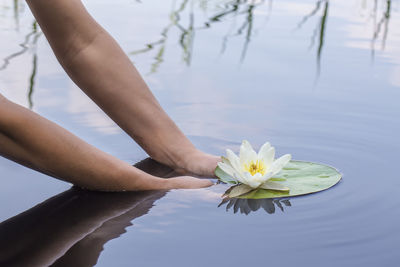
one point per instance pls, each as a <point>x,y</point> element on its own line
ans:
<point>245,206</point>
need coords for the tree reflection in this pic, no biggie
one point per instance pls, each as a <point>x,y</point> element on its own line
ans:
<point>319,30</point>
<point>16,13</point>
<point>383,22</point>
<point>232,9</point>
<point>245,206</point>
<point>161,43</point>
<point>30,41</point>
<point>71,228</point>
<point>32,78</point>
<point>238,14</point>
<point>322,26</point>
<point>235,9</point>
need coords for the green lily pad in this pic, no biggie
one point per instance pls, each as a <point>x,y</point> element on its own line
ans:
<point>301,177</point>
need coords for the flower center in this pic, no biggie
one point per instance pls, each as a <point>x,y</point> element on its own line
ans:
<point>255,167</point>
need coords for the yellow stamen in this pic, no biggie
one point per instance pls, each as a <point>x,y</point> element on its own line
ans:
<point>255,167</point>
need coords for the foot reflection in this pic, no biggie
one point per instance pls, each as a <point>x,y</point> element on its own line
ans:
<point>70,229</point>
<point>245,206</point>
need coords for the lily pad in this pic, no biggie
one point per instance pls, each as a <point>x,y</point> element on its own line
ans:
<point>301,177</point>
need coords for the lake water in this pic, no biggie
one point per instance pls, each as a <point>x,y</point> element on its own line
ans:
<point>318,79</point>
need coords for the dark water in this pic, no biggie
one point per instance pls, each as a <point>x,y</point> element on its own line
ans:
<point>318,79</point>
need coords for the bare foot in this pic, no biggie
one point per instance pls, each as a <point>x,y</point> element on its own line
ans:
<point>198,163</point>
<point>157,169</point>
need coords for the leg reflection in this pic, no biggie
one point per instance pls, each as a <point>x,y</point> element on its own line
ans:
<point>70,229</point>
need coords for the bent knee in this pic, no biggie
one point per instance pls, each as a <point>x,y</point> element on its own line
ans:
<point>3,101</point>
<point>4,110</point>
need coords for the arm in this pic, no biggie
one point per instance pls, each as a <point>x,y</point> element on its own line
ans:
<point>35,142</point>
<point>97,64</point>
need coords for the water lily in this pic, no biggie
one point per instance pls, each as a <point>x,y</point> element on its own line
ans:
<point>254,169</point>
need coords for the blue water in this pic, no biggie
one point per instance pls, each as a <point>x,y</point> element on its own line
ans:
<point>323,86</point>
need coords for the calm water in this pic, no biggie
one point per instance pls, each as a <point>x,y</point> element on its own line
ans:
<point>318,79</point>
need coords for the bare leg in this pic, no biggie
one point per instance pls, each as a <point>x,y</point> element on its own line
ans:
<point>102,70</point>
<point>35,142</point>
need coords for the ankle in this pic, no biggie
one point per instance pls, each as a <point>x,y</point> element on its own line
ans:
<point>185,157</point>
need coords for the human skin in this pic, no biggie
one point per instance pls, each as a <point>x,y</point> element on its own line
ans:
<point>35,142</point>
<point>97,64</point>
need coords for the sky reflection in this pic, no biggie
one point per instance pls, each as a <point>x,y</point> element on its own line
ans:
<point>243,19</point>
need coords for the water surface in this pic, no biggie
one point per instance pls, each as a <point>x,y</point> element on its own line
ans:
<point>318,79</point>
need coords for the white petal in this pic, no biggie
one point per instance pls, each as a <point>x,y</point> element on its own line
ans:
<point>250,181</point>
<point>264,147</point>
<point>228,169</point>
<point>266,176</point>
<point>280,163</point>
<point>233,159</point>
<point>274,186</point>
<point>257,176</point>
<point>267,156</point>
<point>239,178</point>
<point>247,153</point>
